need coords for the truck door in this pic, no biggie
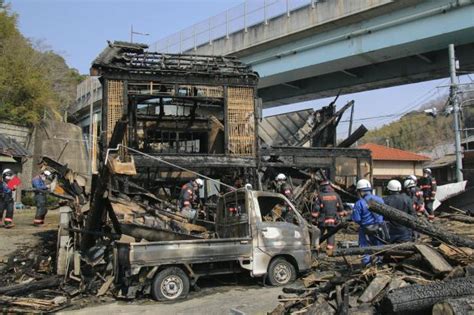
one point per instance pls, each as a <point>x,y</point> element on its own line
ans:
<point>232,222</point>
<point>281,230</point>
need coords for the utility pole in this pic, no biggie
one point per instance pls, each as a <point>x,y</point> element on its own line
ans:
<point>454,99</point>
<point>132,32</point>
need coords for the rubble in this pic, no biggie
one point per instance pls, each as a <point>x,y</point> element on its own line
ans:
<point>133,199</point>
<point>413,277</point>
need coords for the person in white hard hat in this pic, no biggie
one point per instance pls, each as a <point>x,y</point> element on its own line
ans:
<point>372,230</point>
<point>13,182</point>
<point>41,188</point>
<point>399,233</point>
<point>6,201</point>
<point>416,195</point>
<point>282,187</point>
<point>189,196</point>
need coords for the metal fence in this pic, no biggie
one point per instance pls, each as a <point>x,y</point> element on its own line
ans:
<point>236,19</point>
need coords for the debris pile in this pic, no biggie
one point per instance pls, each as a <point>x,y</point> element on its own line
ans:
<point>428,275</point>
<point>28,282</point>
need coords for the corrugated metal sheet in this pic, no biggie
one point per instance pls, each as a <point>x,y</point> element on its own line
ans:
<point>286,129</point>
<point>448,159</point>
<point>10,147</point>
<point>7,159</point>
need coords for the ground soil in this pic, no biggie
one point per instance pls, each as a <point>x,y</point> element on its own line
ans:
<point>24,233</point>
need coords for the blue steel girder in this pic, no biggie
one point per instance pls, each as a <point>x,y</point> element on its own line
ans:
<point>432,65</point>
<point>427,27</point>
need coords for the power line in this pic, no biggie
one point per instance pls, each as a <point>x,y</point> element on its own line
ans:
<point>417,102</point>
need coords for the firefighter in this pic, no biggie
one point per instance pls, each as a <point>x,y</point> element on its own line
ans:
<point>399,233</point>
<point>282,187</point>
<point>41,188</point>
<point>188,198</point>
<point>416,195</point>
<point>428,187</point>
<point>6,203</point>
<point>328,210</point>
<point>12,181</point>
<point>372,229</point>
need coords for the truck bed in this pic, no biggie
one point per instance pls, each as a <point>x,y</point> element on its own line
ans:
<point>185,251</point>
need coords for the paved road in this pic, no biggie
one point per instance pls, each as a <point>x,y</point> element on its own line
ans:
<point>215,299</point>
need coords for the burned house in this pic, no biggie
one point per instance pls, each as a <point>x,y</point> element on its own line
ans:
<point>303,144</point>
<point>197,112</point>
<point>178,115</point>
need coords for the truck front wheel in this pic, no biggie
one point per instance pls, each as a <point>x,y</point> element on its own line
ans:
<point>281,272</point>
<point>170,284</point>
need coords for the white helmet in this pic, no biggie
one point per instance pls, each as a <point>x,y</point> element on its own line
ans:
<point>409,183</point>
<point>7,170</point>
<point>280,176</point>
<point>199,182</point>
<point>363,184</point>
<point>412,177</point>
<point>47,173</point>
<point>394,185</point>
<point>427,171</point>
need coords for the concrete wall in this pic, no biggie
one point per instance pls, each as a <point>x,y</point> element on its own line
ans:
<point>305,18</point>
<point>60,141</point>
<point>397,168</point>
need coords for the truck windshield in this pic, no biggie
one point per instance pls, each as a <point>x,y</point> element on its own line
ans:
<point>233,221</point>
<point>276,209</point>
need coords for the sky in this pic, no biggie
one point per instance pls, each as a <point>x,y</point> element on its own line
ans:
<point>79,30</point>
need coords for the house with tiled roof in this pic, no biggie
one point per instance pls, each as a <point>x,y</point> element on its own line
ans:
<point>388,163</point>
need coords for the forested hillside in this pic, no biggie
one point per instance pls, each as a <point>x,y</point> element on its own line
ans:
<point>34,82</point>
<point>417,131</point>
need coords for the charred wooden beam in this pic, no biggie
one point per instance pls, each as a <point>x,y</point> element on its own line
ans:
<point>352,251</point>
<point>98,204</point>
<point>420,225</point>
<point>324,125</point>
<point>459,306</point>
<point>460,218</point>
<point>26,288</point>
<point>417,298</point>
<point>196,161</point>
<point>333,231</point>
<point>356,135</point>
<point>314,152</point>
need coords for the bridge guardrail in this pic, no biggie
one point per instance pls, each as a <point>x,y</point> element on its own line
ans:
<point>239,18</point>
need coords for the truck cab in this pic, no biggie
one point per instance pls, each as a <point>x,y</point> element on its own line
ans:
<point>255,231</point>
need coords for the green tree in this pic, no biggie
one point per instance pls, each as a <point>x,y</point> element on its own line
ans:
<point>33,83</point>
<point>415,131</point>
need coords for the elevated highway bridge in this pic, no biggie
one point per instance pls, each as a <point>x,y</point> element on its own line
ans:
<point>308,49</point>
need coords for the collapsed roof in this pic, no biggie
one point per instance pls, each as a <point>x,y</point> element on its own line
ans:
<point>131,58</point>
<point>10,147</point>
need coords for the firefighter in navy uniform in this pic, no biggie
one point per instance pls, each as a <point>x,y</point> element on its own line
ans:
<point>188,198</point>
<point>6,203</point>
<point>399,233</point>
<point>428,187</point>
<point>372,229</point>
<point>327,210</point>
<point>41,188</point>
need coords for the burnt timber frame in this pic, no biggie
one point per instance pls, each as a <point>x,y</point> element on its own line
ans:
<point>308,157</point>
<point>155,76</point>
